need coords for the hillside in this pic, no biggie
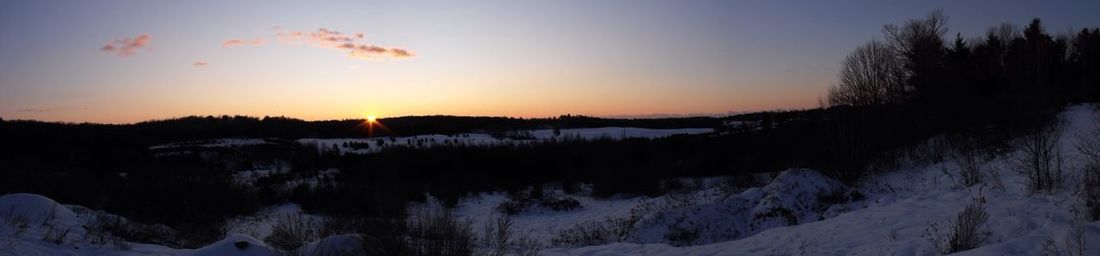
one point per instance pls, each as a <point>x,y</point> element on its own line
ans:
<point>912,209</point>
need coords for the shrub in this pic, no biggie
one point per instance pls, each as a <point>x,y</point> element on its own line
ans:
<point>970,168</point>
<point>1089,147</point>
<point>519,202</point>
<point>436,231</point>
<point>1041,160</point>
<point>1091,186</point>
<point>499,239</point>
<point>599,232</point>
<point>292,231</point>
<point>583,234</point>
<point>560,204</point>
<point>106,228</point>
<point>496,236</point>
<point>969,229</point>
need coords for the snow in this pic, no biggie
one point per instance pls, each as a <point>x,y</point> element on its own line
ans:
<point>795,196</point>
<point>334,245</point>
<point>260,224</point>
<point>905,211</point>
<point>36,209</point>
<point>482,208</point>
<point>372,145</point>
<point>235,244</point>
<point>36,225</point>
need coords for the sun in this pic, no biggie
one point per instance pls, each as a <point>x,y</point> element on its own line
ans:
<point>372,118</point>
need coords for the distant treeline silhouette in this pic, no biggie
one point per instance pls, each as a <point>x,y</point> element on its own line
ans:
<point>212,127</point>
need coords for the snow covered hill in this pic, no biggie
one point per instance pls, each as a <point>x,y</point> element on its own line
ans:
<point>911,210</point>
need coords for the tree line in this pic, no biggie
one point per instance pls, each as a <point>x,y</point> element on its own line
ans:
<point>1007,69</point>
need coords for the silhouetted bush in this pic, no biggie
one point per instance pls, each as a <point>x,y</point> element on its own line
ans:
<point>291,231</point>
<point>437,231</point>
<point>969,230</point>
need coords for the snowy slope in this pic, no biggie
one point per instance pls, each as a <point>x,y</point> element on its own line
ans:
<point>35,225</point>
<point>908,210</point>
<point>795,212</point>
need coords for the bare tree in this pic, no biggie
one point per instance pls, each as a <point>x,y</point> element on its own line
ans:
<point>1005,32</point>
<point>870,76</point>
<point>1041,159</point>
<point>920,45</point>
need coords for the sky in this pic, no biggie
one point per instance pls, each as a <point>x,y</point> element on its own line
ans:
<point>129,61</point>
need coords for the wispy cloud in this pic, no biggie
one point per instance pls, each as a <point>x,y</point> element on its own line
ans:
<point>243,42</point>
<point>37,110</point>
<point>350,42</point>
<point>199,64</point>
<point>126,46</point>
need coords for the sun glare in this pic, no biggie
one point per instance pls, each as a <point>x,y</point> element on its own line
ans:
<point>371,118</point>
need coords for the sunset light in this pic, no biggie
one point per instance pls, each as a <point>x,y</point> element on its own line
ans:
<point>552,127</point>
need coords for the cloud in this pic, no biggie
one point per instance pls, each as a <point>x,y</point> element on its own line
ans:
<point>37,110</point>
<point>126,46</point>
<point>243,42</point>
<point>332,39</point>
<point>199,64</point>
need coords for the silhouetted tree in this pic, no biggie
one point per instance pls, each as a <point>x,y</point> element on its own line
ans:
<point>869,76</point>
<point>920,44</point>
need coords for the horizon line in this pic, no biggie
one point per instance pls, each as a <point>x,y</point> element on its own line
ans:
<point>617,116</point>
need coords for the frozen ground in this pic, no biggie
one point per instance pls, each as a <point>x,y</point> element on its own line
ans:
<point>371,145</point>
<point>907,211</point>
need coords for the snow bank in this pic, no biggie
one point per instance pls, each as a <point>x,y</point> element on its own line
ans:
<point>36,225</point>
<point>794,197</point>
<point>37,210</point>
<point>235,244</point>
<point>334,245</point>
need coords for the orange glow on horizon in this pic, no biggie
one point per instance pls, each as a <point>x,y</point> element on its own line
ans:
<point>371,122</point>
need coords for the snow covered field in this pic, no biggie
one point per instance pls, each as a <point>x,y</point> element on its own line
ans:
<point>376,144</point>
<point>372,145</point>
<point>907,211</point>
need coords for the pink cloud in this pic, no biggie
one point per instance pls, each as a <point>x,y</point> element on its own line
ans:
<point>199,64</point>
<point>243,42</point>
<point>331,39</point>
<point>126,46</point>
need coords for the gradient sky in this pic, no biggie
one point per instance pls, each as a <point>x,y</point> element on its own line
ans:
<point>511,58</point>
